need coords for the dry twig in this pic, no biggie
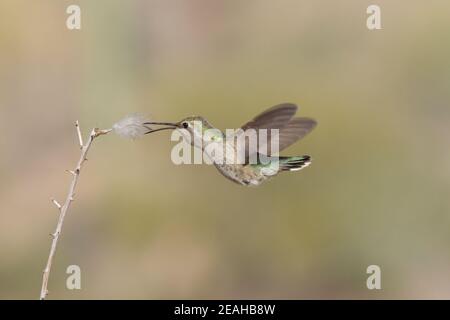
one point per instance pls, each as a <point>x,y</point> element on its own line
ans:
<point>70,197</point>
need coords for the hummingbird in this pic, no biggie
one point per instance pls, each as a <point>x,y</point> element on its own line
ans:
<point>248,173</point>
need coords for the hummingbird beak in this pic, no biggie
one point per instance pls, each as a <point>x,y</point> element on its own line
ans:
<point>168,124</point>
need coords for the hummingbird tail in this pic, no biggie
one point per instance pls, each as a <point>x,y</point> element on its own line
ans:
<point>294,163</point>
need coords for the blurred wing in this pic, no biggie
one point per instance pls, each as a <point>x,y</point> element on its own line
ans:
<point>274,118</point>
<point>296,129</point>
<point>277,117</point>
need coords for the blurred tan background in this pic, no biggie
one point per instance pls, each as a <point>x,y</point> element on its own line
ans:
<point>141,227</point>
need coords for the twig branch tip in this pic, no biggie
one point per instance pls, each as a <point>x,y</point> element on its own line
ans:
<point>80,138</point>
<point>56,203</point>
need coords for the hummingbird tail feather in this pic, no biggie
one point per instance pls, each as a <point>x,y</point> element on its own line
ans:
<point>294,163</point>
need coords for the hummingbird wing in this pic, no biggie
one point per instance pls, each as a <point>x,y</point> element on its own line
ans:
<point>293,131</point>
<point>273,118</point>
<point>279,117</point>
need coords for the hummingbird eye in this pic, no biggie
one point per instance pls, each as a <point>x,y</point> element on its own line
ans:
<point>185,125</point>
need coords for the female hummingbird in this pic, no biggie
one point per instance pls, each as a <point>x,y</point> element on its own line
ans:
<point>249,173</point>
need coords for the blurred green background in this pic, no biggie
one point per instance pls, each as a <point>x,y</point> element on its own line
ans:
<point>141,227</point>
